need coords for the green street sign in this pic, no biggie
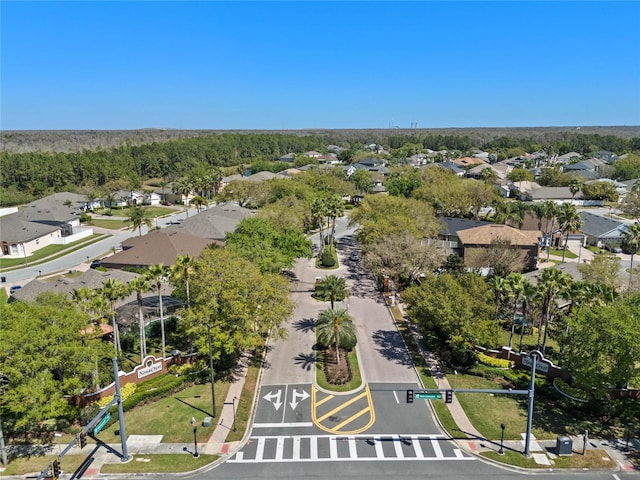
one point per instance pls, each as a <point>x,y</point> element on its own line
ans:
<point>101,423</point>
<point>428,396</point>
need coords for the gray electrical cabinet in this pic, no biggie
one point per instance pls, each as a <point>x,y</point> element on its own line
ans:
<point>564,446</point>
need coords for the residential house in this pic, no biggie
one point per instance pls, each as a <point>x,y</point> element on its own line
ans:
<point>50,220</point>
<point>477,243</point>
<point>468,162</point>
<point>588,169</point>
<point>500,169</point>
<point>566,158</point>
<point>602,231</point>
<point>449,233</point>
<point>159,246</point>
<point>128,198</point>
<point>454,168</point>
<point>312,154</point>
<point>214,223</point>
<point>288,158</point>
<point>557,195</point>
<point>621,187</point>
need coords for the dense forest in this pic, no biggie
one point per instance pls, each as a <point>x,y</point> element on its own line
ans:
<point>39,173</point>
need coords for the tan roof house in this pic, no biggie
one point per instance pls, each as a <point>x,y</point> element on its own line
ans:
<point>480,245</point>
<point>467,162</point>
<point>160,246</point>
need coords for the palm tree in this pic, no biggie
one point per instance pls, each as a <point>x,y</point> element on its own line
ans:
<point>335,326</point>
<point>574,187</point>
<point>552,282</point>
<point>500,290</point>
<point>181,271</point>
<point>157,275</point>
<point>112,291</point>
<point>528,295</point>
<point>570,221</point>
<point>184,188</point>
<point>110,198</point>
<point>198,201</point>
<point>510,211</point>
<point>141,285</point>
<point>547,210</point>
<point>335,209</point>
<point>516,284</point>
<point>631,244</point>
<point>318,213</point>
<point>138,218</point>
<point>332,288</point>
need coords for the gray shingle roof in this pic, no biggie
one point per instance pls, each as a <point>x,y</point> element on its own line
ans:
<point>15,228</point>
<point>214,223</point>
<point>599,226</point>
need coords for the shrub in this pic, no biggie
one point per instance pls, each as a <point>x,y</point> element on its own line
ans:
<point>85,217</point>
<point>126,391</point>
<point>494,362</point>
<point>328,259</point>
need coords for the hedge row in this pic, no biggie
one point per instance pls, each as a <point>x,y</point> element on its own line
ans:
<point>494,362</point>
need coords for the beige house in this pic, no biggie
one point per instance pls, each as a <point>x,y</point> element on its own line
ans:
<point>480,246</point>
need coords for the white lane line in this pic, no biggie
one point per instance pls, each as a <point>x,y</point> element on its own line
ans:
<point>377,441</point>
<point>333,448</point>
<point>458,453</point>
<point>397,444</point>
<point>239,456</point>
<point>313,447</point>
<point>296,448</point>
<point>353,452</point>
<point>279,448</point>
<point>436,448</point>
<point>260,448</point>
<point>283,425</point>
<point>417,447</point>
<point>396,395</point>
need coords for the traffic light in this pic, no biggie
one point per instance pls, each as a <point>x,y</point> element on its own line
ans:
<point>449,396</point>
<point>83,440</point>
<point>409,396</point>
<point>55,469</point>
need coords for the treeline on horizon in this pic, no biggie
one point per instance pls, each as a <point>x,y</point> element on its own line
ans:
<point>35,174</point>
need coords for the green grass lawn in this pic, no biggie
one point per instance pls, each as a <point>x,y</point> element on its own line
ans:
<point>50,252</point>
<point>171,416</point>
<point>529,342</point>
<point>3,296</point>
<point>155,211</point>
<point>35,464</point>
<point>558,252</point>
<point>159,463</point>
<point>108,223</point>
<point>593,459</point>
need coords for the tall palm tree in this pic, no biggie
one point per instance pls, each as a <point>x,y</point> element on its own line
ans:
<point>138,218</point>
<point>335,209</point>
<point>182,271</point>
<point>157,275</point>
<point>516,283</point>
<point>500,291</point>
<point>335,326</point>
<point>319,213</point>
<point>631,244</point>
<point>332,288</point>
<point>184,187</point>
<point>110,198</point>
<point>574,187</point>
<point>141,285</point>
<point>528,297</point>
<point>552,282</point>
<point>198,201</point>
<point>547,210</point>
<point>112,291</point>
<point>570,221</point>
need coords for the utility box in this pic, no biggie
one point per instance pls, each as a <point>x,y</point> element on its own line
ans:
<point>564,446</point>
<point>206,422</point>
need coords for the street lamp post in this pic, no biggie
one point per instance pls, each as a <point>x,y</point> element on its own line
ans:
<point>234,412</point>
<point>502,427</point>
<point>213,393</point>
<point>455,380</point>
<point>195,441</point>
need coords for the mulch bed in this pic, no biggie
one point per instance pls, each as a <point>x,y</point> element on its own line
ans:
<point>337,373</point>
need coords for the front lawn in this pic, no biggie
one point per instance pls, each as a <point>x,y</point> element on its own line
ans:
<point>159,463</point>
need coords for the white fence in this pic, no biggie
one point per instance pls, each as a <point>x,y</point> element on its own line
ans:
<point>78,234</point>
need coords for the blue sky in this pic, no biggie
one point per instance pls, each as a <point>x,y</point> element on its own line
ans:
<point>290,65</point>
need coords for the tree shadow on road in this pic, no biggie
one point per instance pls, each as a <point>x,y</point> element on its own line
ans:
<point>305,360</point>
<point>305,325</point>
<point>391,346</point>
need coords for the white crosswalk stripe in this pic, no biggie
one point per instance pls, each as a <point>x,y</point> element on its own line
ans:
<point>323,448</point>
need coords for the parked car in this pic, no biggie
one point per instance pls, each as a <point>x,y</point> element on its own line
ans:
<point>355,256</point>
<point>96,263</point>
<point>14,289</point>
